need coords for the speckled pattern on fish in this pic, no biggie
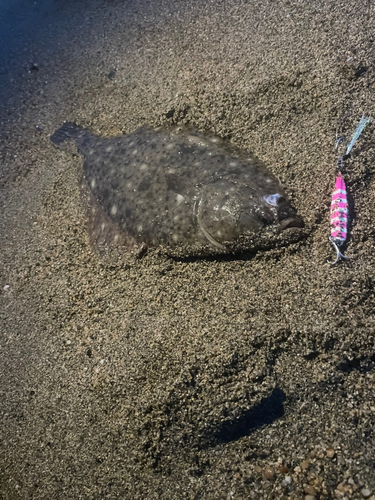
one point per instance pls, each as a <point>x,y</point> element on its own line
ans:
<point>188,192</point>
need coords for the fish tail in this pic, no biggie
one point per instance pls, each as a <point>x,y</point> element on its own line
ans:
<point>68,131</point>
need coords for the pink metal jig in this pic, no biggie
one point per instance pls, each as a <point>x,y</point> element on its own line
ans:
<point>339,204</point>
<point>339,217</point>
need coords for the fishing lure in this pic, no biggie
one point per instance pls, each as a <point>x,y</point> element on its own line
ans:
<point>339,204</point>
<point>339,217</point>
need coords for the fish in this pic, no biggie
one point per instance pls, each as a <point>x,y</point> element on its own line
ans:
<point>186,192</point>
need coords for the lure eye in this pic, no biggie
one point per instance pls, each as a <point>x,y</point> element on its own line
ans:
<point>274,199</point>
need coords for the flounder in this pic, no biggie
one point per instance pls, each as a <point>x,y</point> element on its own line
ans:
<point>189,193</point>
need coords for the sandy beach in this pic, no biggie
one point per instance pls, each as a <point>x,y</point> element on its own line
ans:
<point>138,377</point>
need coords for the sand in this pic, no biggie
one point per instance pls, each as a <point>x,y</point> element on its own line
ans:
<point>144,377</point>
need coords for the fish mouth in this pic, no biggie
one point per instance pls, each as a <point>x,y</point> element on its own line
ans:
<point>292,224</point>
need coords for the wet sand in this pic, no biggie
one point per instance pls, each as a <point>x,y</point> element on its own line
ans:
<point>226,378</point>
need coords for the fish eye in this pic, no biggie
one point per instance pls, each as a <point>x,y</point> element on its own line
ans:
<point>274,199</point>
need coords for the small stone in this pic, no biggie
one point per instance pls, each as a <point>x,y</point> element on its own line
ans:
<point>112,74</point>
<point>343,487</point>
<point>330,452</point>
<point>310,497</point>
<point>6,288</point>
<point>283,469</point>
<point>287,480</point>
<point>365,492</point>
<point>269,473</point>
<point>310,490</point>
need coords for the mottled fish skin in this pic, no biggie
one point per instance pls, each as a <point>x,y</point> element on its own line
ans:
<point>187,192</point>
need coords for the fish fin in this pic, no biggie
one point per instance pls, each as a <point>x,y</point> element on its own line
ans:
<point>68,131</point>
<point>104,233</point>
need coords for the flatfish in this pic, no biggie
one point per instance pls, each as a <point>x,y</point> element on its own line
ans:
<point>186,192</point>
